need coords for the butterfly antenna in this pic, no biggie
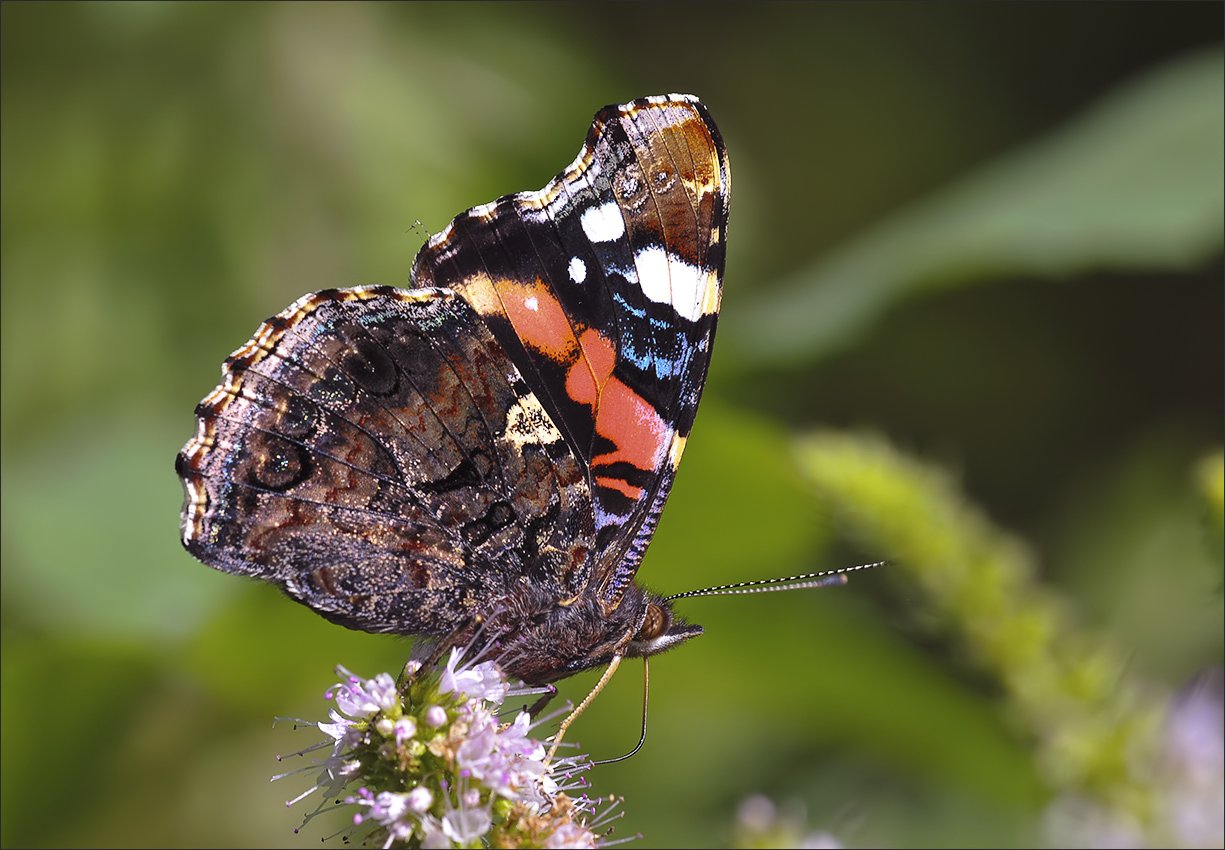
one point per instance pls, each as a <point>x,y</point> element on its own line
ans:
<point>826,578</point>
<point>582,706</point>
<point>642,739</point>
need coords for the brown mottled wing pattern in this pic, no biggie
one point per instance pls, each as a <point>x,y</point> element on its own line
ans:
<point>375,453</point>
<point>604,288</point>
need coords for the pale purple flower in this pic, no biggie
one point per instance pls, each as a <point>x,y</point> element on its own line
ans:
<point>1075,821</point>
<point>571,835</point>
<point>480,681</point>
<point>479,741</point>
<point>759,821</point>
<point>384,807</point>
<point>504,759</point>
<point>756,813</point>
<point>465,825</point>
<point>432,835</point>
<point>389,810</point>
<point>420,799</point>
<point>404,729</point>
<point>1194,761</point>
<point>436,716</point>
<point>338,728</point>
<point>360,699</point>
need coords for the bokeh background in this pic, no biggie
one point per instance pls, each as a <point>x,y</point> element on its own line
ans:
<point>972,323</point>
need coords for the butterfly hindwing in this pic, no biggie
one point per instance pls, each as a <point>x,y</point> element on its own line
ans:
<point>375,453</point>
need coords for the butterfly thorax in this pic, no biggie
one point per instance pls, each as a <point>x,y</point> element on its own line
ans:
<point>542,641</point>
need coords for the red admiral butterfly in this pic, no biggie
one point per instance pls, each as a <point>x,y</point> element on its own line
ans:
<point>494,445</point>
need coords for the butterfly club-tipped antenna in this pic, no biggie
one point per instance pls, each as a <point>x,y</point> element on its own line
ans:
<point>825,578</point>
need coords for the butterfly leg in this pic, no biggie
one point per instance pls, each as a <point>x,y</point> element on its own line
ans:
<point>425,656</point>
<point>538,706</point>
<point>582,706</point>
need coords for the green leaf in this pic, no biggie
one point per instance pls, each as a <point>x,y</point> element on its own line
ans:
<point>1136,184</point>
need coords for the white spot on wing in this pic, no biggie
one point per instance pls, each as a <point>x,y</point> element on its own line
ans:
<point>531,303</point>
<point>603,223</point>
<point>670,280</point>
<point>578,270</point>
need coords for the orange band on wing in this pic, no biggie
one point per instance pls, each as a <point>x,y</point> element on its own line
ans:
<point>622,416</point>
<point>628,420</point>
<point>538,319</point>
<point>620,486</point>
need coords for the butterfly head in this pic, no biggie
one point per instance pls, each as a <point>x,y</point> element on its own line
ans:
<point>660,628</point>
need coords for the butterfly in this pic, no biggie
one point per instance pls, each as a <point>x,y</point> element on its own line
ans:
<point>492,447</point>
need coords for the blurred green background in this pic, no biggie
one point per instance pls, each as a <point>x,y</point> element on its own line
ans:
<point>972,322</point>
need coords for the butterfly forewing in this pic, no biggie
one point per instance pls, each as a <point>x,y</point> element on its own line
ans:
<point>604,288</point>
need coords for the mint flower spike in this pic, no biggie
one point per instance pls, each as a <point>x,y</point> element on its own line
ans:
<point>430,763</point>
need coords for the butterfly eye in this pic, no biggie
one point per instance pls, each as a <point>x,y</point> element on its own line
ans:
<point>654,625</point>
<point>661,629</point>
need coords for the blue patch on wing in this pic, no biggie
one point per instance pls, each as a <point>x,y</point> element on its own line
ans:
<point>641,351</point>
